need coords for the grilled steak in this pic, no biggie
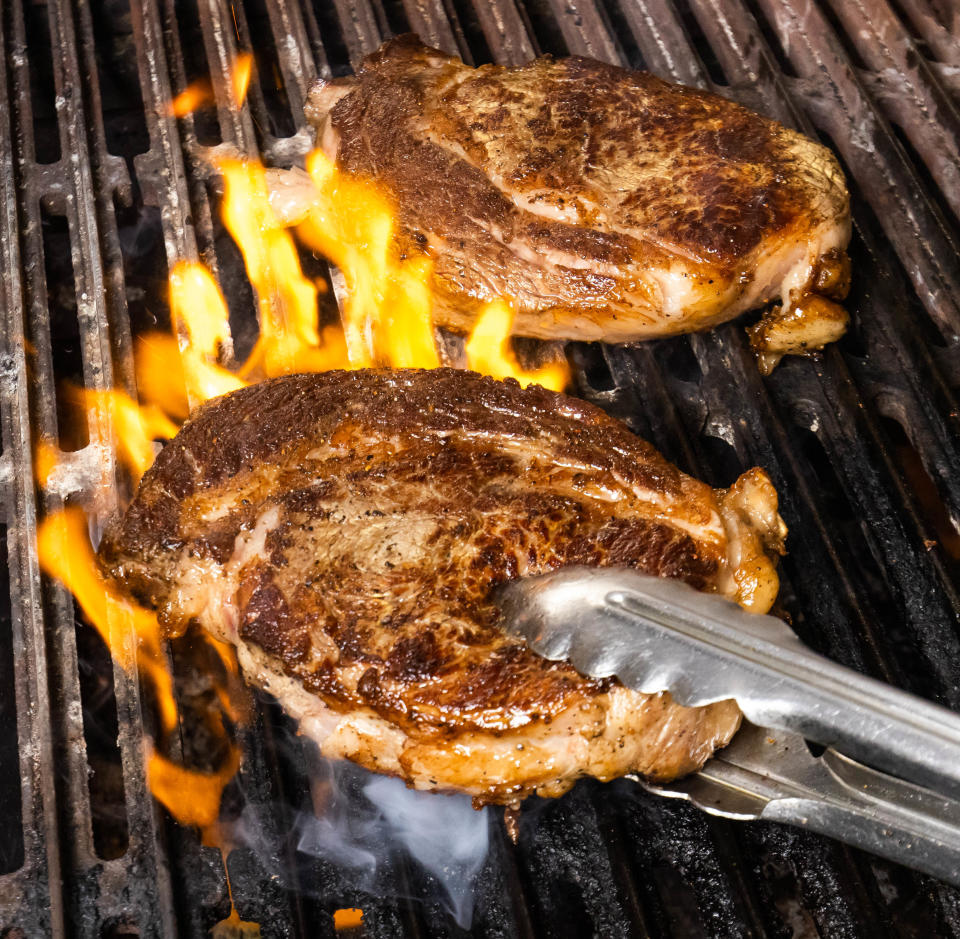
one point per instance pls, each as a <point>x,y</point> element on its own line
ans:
<point>344,530</point>
<point>605,203</point>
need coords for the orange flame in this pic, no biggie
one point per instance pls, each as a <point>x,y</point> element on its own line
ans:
<point>191,797</point>
<point>387,307</point>
<point>199,312</point>
<point>160,374</point>
<point>45,460</point>
<point>348,918</point>
<point>233,927</point>
<point>240,78</point>
<point>65,553</point>
<point>201,92</point>
<point>191,98</point>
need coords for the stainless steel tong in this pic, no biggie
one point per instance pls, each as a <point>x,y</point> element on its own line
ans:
<point>661,635</point>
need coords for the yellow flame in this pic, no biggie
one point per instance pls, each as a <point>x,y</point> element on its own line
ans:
<point>201,92</point>
<point>387,305</point>
<point>199,312</point>
<point>240,78</point>
<point>45,459</point>
<point>289,340</point>
<point>489,352</point>
<point>134,427</point>
<point>65,553</point>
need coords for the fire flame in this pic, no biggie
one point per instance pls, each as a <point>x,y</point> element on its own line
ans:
<point>488,350</point>
<point>387,308</point>
<point>193,798</point>
<point>386,321</point>
<point>289,339</point>
<point>348,918</point>
<point>65,553</point>
<point>201,93</point>
<point>134,426</point>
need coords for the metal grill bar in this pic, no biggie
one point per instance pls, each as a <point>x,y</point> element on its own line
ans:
<point>29,896</point>
<point>866,579</point>
<point>99,890</point>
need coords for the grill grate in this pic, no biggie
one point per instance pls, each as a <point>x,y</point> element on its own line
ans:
<point>100,192</point>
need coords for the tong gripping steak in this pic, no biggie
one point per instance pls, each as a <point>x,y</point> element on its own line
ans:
<point>605,203</point>
<point>345,530</point>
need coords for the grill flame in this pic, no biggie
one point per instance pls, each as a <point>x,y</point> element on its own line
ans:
<point>201,93</point>
<point>386,321</point>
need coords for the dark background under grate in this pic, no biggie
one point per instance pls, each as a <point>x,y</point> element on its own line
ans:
<point>100,193</point>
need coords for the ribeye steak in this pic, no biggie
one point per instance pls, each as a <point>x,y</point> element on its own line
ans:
<point>345,530</point>
<point>604,203</point>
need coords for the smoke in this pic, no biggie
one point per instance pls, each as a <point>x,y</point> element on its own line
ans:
<point>361,824</point>
<point>445,834</point>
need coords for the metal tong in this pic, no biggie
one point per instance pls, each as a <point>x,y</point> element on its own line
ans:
<point>657,635</point>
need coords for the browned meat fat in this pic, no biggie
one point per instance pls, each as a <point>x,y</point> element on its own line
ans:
<point>605,203</point>
<point>344,531</point>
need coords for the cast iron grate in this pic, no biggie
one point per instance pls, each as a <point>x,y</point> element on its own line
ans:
<point>101,191</point>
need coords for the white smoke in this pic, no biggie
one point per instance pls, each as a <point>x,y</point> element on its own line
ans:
<point>361,823</point>
<point>444,833</point>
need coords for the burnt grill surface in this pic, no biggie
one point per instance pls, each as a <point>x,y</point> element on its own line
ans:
<point>101,191</point>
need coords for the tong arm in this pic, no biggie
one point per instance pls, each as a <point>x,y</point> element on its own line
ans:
<point>771,775</point>
<point>656,634</point>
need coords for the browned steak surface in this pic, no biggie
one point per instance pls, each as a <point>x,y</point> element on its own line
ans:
<point>345,530</point>
<point>604,202</point>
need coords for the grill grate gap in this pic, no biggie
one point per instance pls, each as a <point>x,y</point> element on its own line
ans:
<point>772,38</point>
<point>866,220</point>
<point>924,176</point>
<point>545,29</point>
<point>122,930</point>
<point>911,15</point>
<point>268,76</point>
<point>395,16</point>
<point>620,26</point>
<point>331,34</point>
<point>591,367</point>
<point>42,88</point>
<point>849,46</point>
<point>206,124</point>
<point>66,345</point>
<point>11,820</point>
<point>121,103</point>
<point>932,507</point>
<point>883,640</point>
<point>699,41</point>
<point>144,265</point>
<point>100,730</point>
<point>462,15</point>
<point>721,463</point>
<point>233,281</point>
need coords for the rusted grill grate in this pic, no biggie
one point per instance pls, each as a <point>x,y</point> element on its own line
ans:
<point>100,192</point>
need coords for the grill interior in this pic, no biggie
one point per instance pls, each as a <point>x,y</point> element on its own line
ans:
<point>101,192</point>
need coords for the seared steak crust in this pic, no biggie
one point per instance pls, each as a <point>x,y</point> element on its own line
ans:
<point>345,530</point>
<point>606,203</point>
